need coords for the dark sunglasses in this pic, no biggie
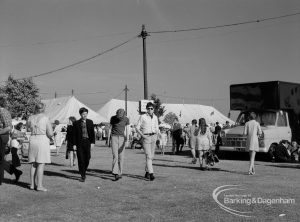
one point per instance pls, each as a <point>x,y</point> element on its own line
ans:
<point>150,108</point>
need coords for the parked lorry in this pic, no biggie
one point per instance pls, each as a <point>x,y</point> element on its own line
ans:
<point>277,105</point>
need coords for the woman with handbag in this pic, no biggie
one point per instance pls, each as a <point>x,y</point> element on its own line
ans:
<point>203,143</point>
<point>39,146</point>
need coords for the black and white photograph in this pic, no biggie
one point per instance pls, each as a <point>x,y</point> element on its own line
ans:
<point>149,110</point>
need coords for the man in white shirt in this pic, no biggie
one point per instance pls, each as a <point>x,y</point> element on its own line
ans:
<point>147,127</point>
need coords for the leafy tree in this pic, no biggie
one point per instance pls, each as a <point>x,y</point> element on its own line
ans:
<point>169,118</point>
<point>159,110</point>
<point>22,96</point>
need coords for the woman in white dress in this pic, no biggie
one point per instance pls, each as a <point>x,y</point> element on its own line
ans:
<point>58,138</point>
<point>39,146</point>
<point>252,130</point>
<point>203,142</point>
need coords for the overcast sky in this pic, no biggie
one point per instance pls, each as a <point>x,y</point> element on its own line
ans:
<point>37,36</point>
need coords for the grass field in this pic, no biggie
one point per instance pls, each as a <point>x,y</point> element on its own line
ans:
<point>180,192</point>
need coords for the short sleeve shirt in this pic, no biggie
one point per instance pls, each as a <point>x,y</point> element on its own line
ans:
<point>118,125</point>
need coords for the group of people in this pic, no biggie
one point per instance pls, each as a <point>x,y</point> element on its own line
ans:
<point>80,140</point>
<point>285,152</point>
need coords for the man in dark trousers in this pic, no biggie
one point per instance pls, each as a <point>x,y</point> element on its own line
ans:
<point>218,139</point>
<point>83,140</point>
<point>6,126</point>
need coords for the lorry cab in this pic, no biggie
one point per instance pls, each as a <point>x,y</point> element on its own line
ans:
<point>274,124</point>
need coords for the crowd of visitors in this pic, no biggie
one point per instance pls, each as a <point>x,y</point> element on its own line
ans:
<point>82,134</point>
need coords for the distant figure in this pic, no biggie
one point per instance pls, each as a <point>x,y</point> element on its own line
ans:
<point>295,151</point>
<point>119,137</point>
<point>163,139</point>
<point>70,152</point>
<point>252,130</point>
<point>39,146</point>
<point>227,125</point>
<point>84,141</point>
<point>147,127</point>
<point>217,136</point>
<point>178,141</point>
<point>58,138</point>
<point>17,136</point>
<point>192,131</point>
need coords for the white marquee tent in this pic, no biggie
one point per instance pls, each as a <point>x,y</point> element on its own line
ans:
<point>185,112</point>
<point>63,107</point>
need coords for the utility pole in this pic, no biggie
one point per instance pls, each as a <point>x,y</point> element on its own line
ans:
<point>126,90</point>
<point>143,35</point>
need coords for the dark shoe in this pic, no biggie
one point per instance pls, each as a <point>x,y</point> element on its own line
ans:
<point>18,174</point>
<point>117,177</point>
<point>147,176</point>
<point>152,177</point>
<point>82,179</point>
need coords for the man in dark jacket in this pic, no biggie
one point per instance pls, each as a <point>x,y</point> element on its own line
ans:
<point>83,140</point>
<point>281,154</point>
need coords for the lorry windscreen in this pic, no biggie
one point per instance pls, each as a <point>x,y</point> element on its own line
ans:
<point>267,118</point>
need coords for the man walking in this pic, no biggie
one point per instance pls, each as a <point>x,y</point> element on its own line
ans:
<point>119,136</point>
<point>6,126</point>
<point>83,140</point>
<point>147,127</point>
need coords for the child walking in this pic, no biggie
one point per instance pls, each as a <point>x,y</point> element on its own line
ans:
<point>163,139</point>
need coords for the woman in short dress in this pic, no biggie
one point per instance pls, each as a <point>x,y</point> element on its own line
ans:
<point>203,142</point>
<point>252,130</point>
<point>71,153</point>
<point>39,146</point>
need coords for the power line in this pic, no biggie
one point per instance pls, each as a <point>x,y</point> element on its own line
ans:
<point>82,61</point>
<point>80,93</point>
<point>192,98</point>
<point>227,25</point>
<point>65,41</point>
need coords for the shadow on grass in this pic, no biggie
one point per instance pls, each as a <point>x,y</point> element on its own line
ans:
<point>108,175</point>
<point>56,174</point>
<point>296,166</point>
<point>56,164</point>
<point>198,168</point>
<point>105,174</point>
<point>19,184</point>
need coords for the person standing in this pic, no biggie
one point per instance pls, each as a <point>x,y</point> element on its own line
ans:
<point>252,130</point>
<point>57,136</point>
<point>147,127</point>
<point>5,121</point>
<point>191,132</point>
<point>177,136</point>
<point>163,140</point>
<point>203,142</point>
<point>217,137</point>
<point>70,153</point>
<point>119,137</point>
<point>83,140</point>
<point>39,146</point>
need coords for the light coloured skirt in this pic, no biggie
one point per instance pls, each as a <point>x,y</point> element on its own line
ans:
<point>39,149</point>
<point>202,143</point>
